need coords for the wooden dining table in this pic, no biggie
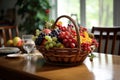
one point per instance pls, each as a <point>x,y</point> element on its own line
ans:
<point>103,67</point>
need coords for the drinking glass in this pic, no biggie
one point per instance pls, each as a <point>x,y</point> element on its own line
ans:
<point>28,44</point>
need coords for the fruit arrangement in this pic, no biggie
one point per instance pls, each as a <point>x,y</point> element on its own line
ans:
<point>16,41</point>
<point>63,45</point>
<point>64,37</point>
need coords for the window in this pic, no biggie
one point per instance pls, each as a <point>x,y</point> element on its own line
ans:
<point>99,13</point>
<point>93,13</point>
<point>70,8</point>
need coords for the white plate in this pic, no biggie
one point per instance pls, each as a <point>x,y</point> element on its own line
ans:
<point>13,55</point>
<point>7,50</point>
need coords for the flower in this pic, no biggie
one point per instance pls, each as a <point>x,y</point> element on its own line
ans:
<point>87,39</point>
<point>88,42</point>
<point>47,11</point>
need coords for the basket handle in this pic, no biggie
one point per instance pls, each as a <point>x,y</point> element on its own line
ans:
<point>76,27</point>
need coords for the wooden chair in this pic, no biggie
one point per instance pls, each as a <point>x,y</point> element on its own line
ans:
<point>8,32</point>
<point>108,34</point>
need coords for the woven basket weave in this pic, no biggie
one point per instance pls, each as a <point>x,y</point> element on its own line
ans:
<point>64,56</point>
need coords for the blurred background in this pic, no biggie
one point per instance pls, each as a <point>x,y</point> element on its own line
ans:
<point>32,14</point>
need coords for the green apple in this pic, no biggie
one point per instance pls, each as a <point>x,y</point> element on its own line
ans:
<point>10,42</point>
<point>16,40</point>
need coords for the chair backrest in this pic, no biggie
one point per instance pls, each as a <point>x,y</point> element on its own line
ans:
<point>111,38</point>
<point>8,32</point>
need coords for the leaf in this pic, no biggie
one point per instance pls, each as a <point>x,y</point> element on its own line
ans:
<point>91,56</point>
<point>33,13</point>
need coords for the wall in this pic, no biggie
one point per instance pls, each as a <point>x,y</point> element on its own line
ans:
<point>8,4</point>
<point>5,4</point>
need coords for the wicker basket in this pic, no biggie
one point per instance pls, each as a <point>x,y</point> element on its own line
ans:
<point>64,56</point>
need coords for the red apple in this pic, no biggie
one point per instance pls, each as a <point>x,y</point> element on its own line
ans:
<point>20,43</point>
<point>47,31</point>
